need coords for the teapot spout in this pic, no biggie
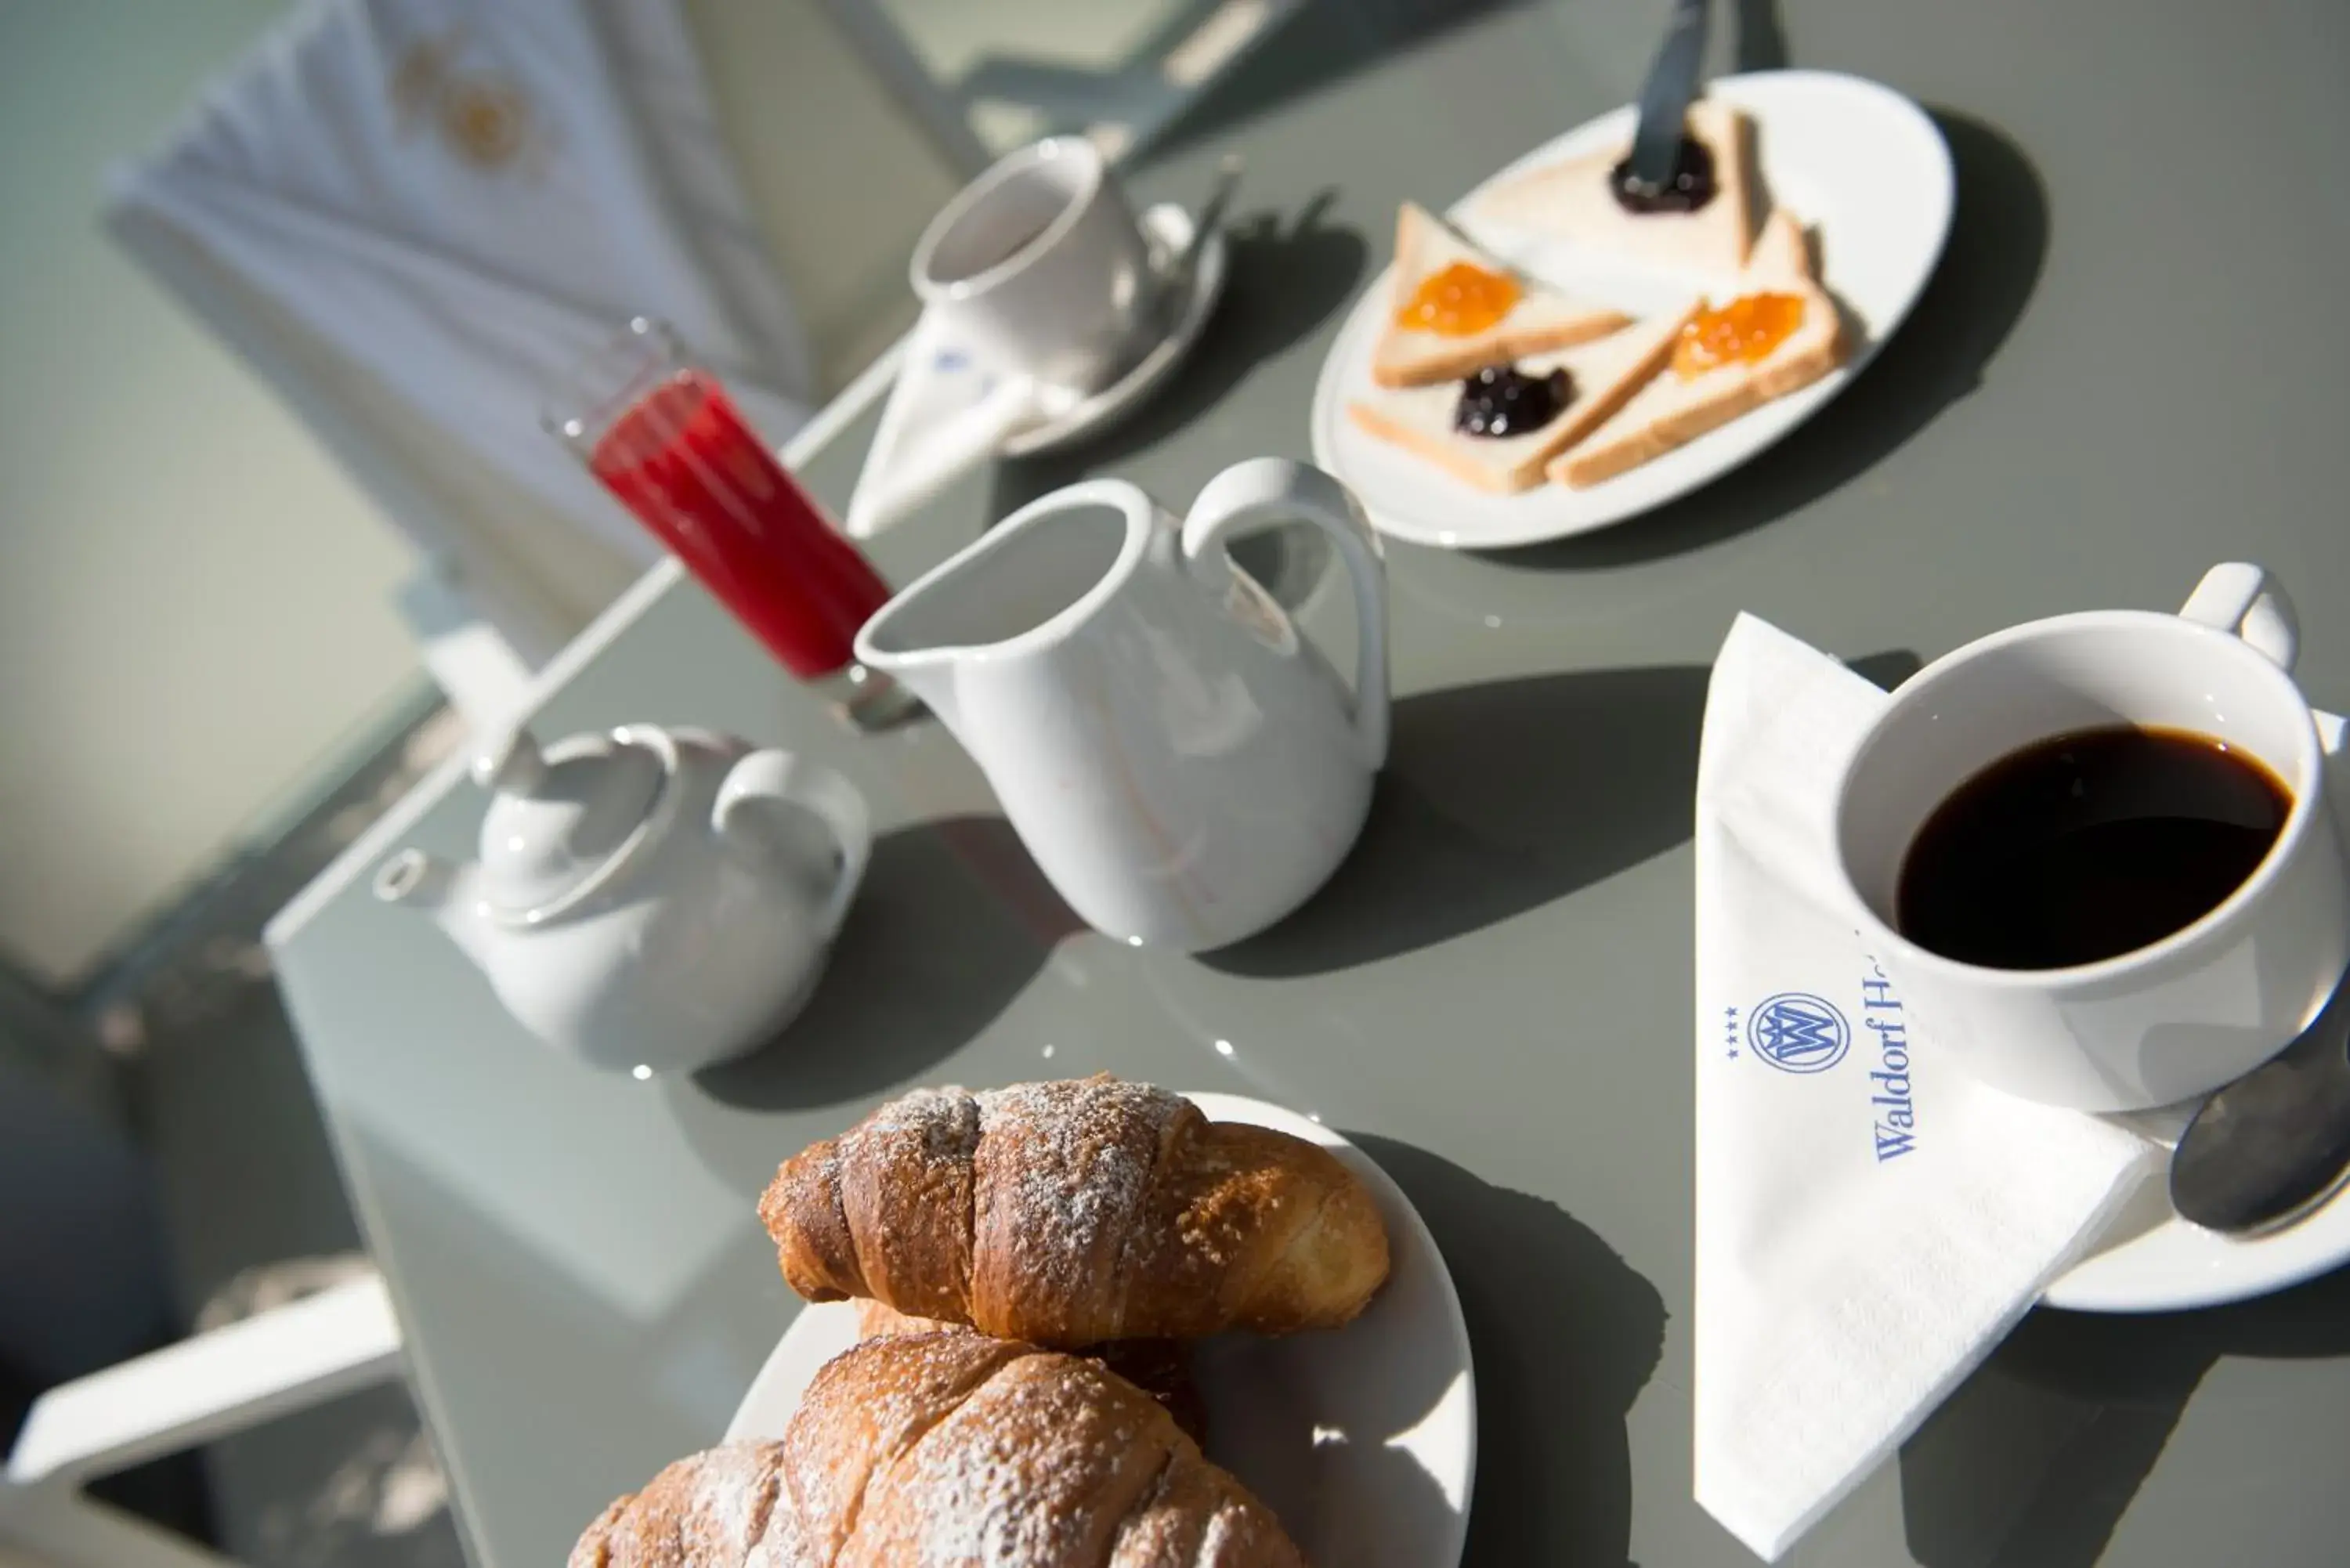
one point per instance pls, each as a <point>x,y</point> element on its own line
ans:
<point>419,880</point>
<point>437,887</point>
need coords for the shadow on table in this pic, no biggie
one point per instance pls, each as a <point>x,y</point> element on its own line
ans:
<point>952,921</point>
<point>1286,277</point>
<point>1998,245</point>
<point>1564,1335</point>
<point>2032,1462</point>
<point>1501,797</point>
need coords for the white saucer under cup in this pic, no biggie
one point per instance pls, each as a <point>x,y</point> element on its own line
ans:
<point>1170,226</point>
<point>943,417</point>
<point>2153,1260</point>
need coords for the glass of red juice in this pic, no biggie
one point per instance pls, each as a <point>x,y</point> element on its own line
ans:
<point>662,434</point>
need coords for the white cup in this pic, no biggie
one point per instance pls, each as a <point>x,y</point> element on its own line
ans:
<point>1041,268</point>
<point>2186,1013</point>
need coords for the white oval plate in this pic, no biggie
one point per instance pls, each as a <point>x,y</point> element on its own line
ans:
<point>1858,162</point>
<point>1362,1440</point>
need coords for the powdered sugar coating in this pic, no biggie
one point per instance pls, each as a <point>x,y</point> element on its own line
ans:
<point>732,1496</point>
<point>1062,1177</point>
<point>866,1408</point>
<point>982,1510</point>
<point>1216,1541</point>
<point>783,1545</point>
<point>1036,1470</point>
<point>946,1118</point>
<point>723,1504</point>
<point>713,1507</point>
<point>884,1209</point>
<point>942,1126</point>
<point>1088,1147</point>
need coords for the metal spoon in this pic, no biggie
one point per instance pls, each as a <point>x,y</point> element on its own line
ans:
<point>2265,1152</point>
<point>1178,287</point>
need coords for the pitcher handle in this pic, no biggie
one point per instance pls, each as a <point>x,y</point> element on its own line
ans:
<point>1266,490</point>
<point>2240,597</point>
<point>778,775</point>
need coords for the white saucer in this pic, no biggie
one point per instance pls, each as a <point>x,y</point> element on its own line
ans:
<point>1858,161</point>
<point>2156,1262</point>
<point>2151,1260</point>
<point>940,382</point>
<point>1169,227</point>
<point>1362,1440</point>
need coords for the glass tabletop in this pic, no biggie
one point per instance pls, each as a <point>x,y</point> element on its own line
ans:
<point>1494,995</point>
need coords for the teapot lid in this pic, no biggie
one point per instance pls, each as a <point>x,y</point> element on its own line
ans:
<point>562,821</point>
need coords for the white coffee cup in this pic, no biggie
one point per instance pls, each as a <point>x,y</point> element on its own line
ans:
<point>2186,1013</point>
<point>1041,269</point>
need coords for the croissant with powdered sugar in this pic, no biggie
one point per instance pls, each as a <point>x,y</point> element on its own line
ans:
<point>949,1450</point>
<point>1075,1212</point>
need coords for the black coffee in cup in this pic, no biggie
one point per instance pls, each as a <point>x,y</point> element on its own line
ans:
<point>2088,846</point>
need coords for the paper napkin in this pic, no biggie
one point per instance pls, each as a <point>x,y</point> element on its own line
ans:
<point>1870,1221</point>
<point>949,412</point>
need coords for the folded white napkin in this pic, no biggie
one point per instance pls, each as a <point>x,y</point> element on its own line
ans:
<point>948,412</point>
<point>412,215</point>
<point>1870,1220</point>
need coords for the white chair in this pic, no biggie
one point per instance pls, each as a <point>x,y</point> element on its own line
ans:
<point>475,665</point>
<point>412,220</point>
<point>1123,105</point>
<point>280,1361</point>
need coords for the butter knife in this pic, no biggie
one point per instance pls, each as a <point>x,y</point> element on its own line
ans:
<point>1665,98</point>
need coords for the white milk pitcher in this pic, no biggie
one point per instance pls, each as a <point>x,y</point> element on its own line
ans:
<point>1183,766</point>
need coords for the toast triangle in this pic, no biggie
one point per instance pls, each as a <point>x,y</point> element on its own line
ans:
<point>1605,373</point>
<point>1542,319</point>
<point>1571,201</point>
<point>1673,410</point>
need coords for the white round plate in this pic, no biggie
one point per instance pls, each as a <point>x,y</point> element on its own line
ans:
<point>1857,161</point>
<point>1168,226</point>
<point>2159,1263</point>
<point>1362,1441</point>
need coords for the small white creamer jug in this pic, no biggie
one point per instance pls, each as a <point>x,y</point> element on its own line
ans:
<point>1184,767</point>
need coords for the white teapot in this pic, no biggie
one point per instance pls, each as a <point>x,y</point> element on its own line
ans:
<point>648,898</point>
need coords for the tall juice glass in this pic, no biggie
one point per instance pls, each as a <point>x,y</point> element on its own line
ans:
<point>662,434</point>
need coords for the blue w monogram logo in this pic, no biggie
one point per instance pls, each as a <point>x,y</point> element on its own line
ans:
<point>1797,1031</point>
